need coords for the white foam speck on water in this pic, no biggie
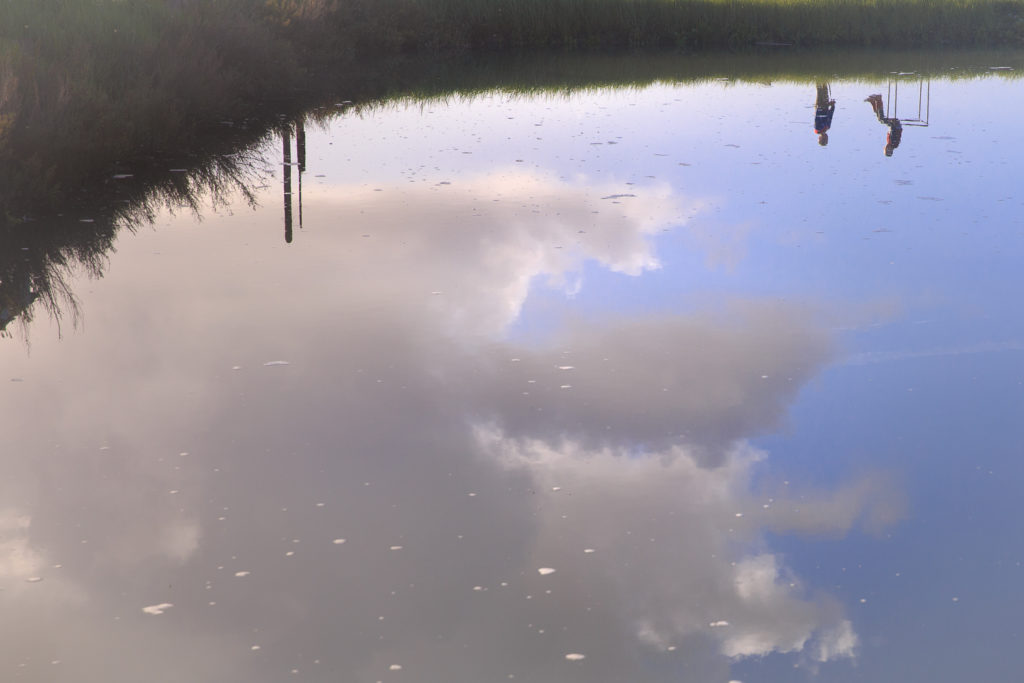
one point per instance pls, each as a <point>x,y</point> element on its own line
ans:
<point>290,553</point>
<point>589,550</point>
<point>565,386</point>
<point>739,514</point>
<point>242,573</point>
<point>471,495</point>
<point>254,648</point>
<point>544,571</point>
<point>671,648</point>
<point>556,488</point>
<point>566,367</point>
<point>338,541</point>
<point>575,657</point>
<point>396,547</point>
<point>395,667</point>
<point>271,363</point>
<point>320,505</point>
<point>718,624</point>
<point>157,609</point>
<point>516,360</point>
<point>478,588</point>
<point>34,579</point>
<point>236,367</point>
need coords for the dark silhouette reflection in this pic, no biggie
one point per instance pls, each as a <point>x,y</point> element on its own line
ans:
<point>286,163</point>
<point>824,107</point>
<point>16,296</point>
<point>895,134</point>
<point>300,150</point>
<point>40,257</point>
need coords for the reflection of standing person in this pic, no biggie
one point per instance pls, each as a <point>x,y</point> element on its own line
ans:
<point>824,106</point>
<point>892,140</point>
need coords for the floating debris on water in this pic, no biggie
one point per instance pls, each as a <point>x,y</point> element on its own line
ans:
<point>242,573</point>
<point>544,571</point>
<point>575,657</point>
<point>157,609</point>
<point>271,363</point>
<point>338,541</point>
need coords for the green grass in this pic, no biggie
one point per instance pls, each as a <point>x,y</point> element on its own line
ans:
<point>375,26</point>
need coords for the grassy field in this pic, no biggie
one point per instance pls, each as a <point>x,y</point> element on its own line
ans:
<point>86,85</point>
<point>369,26</point>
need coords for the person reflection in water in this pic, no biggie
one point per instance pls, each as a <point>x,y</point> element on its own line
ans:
<point>892,140</point>
<point>824,106</point>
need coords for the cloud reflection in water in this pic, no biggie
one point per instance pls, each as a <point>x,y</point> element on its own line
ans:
<point>454,461</point>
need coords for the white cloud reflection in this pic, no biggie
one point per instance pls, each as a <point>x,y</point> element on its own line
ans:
<point>478,243</point>
<point>632,478</point>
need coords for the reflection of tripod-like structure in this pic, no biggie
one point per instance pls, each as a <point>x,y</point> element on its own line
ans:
<point>924,96</point>
<point>286,163</point>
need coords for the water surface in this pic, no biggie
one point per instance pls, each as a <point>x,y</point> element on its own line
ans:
<point>635,383</point>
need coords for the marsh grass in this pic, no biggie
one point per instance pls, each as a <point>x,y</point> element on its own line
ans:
<point>379,26</point>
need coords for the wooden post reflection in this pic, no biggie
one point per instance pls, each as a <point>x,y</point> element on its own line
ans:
<point>300,149</point>
<point>286,148</point>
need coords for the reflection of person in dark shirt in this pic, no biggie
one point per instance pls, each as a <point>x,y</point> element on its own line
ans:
<point>824,106</point>
<point>892,140</point>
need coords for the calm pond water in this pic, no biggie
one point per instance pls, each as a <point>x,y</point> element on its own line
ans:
<point>616,384</point>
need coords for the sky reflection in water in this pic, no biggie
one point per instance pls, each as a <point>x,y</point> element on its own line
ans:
<point>750,398</point>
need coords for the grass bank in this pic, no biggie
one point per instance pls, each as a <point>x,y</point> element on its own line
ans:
<point>87,86</point>
<point>375,26</point>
